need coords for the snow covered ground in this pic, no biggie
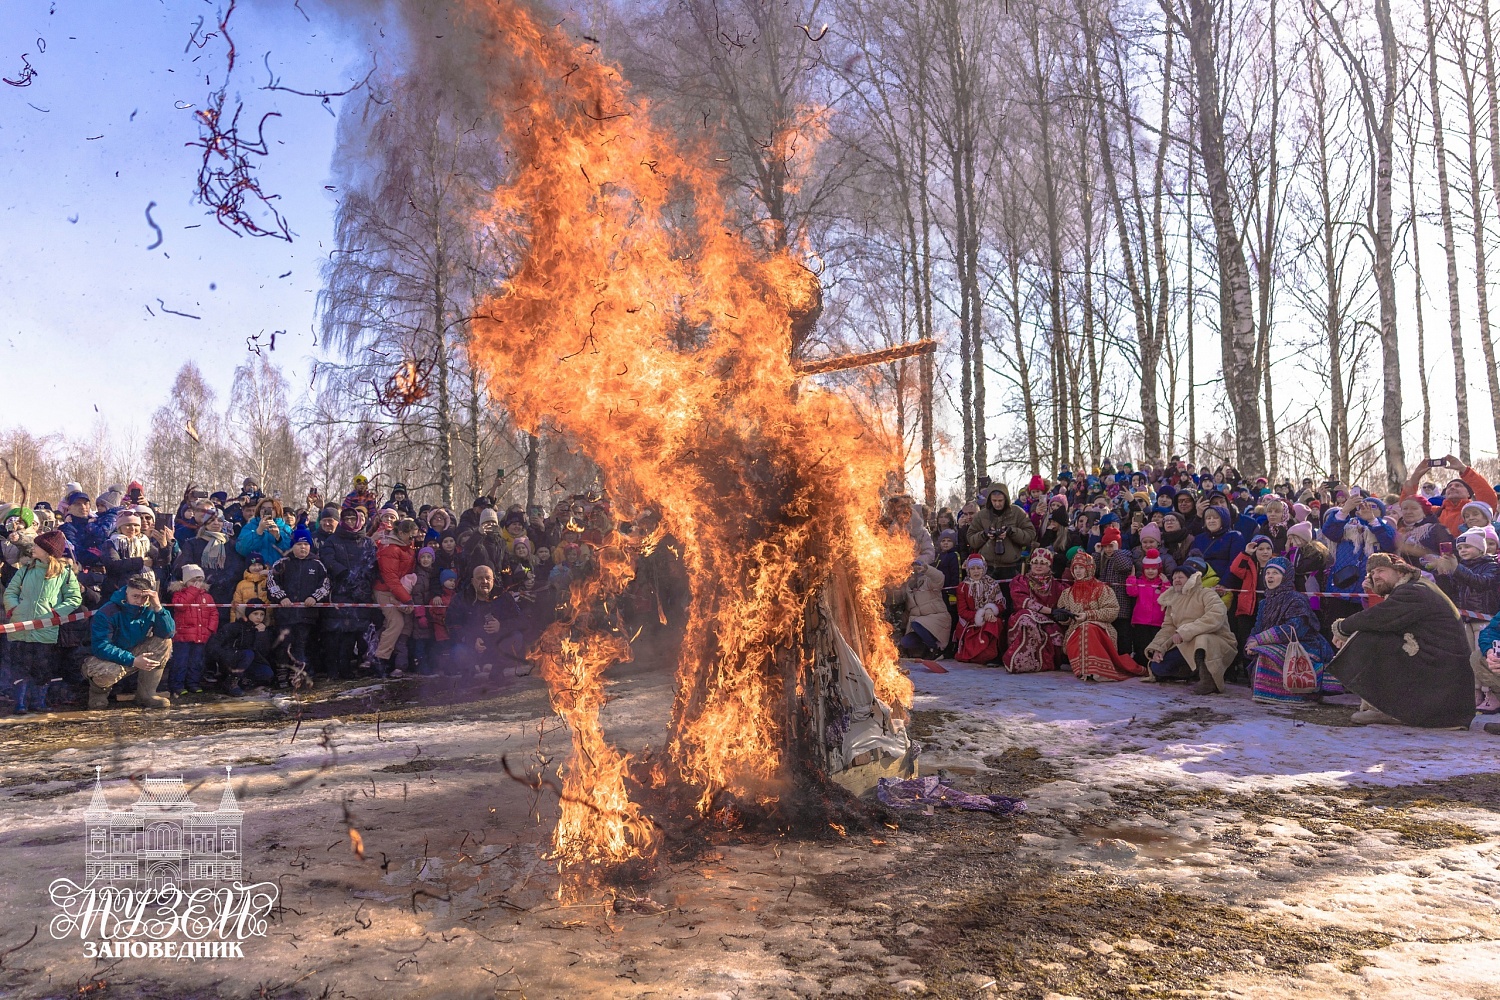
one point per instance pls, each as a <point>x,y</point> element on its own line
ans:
<point>1287,820</point>
<point>1116,744</point>
<point>1252,747</point>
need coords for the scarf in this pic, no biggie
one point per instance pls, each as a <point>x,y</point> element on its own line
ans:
<point>1040,587</point>
<point>1247,569</point>
<point>131,548</point>
<point>1280,606</point>
<point>984,591</point>
<point>1086,592</point>
<point>1362,538</point>
<point>213,552</point>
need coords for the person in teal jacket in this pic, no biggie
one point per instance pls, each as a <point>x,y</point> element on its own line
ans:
<point>1486,661</point>
<point>45,585</point>
<point>267,535</point>
<point>132,631</point>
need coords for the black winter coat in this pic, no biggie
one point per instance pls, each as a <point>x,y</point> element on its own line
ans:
<point>319,539</point>
<point>235,637</point>
<point>350,560</point>
<point>221,582</point>
<point>118,569</point>
<point>465,618</point>
<point>1409,657</point>
<point>71,635</point>
<point>296,580</point>
<point>480,549</point>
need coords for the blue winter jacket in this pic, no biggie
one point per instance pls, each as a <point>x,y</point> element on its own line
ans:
<point>119,627</point>
<point>270,550</point>
<point>1347,574</point>
<point>1251,524</point>
<point>1474,586</point>
<point>89,537</point>
<point>75,530</point>
<point>1219,550</point>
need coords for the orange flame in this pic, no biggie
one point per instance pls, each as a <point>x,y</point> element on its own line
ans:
<point>637,320</point>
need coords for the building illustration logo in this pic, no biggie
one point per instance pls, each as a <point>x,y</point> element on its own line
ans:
<point>163,838</point>
<point>163,878</point>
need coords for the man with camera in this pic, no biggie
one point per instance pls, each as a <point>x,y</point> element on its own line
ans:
<point>1001,532</point>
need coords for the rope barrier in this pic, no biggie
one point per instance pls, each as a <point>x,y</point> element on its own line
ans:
<point>34,624</point>
<point>54,619</point>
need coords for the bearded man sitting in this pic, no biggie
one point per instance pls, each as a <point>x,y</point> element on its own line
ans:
<point>1408,656</point>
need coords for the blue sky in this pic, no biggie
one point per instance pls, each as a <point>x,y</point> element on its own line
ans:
<point>75,330</point>
<point>102,132</point>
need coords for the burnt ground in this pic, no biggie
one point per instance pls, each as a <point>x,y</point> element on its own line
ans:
<point>1152,861</point>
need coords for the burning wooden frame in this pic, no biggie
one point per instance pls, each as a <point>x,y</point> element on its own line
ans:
<point>769,486</point>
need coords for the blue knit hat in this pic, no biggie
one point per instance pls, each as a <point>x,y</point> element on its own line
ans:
<point>1280,562</point>
<point>447,575</point>
<point>301,535</point>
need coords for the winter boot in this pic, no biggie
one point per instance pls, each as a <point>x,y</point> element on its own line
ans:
<point>20,689</point>
<point>1206,683</point>
<point>98,697</point>
<point>39,696</point>
<point>1486,702</point>
<point>145,690</point>
<point>1369,715</point>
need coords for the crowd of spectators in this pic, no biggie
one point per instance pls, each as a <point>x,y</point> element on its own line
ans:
<point>228,595</point>
<point>1176,574</point>
<point>1166,574</point>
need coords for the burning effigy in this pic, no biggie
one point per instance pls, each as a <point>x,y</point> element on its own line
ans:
<point>640,323</point>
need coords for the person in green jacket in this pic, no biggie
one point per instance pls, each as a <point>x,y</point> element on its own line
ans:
<point>41,588</point>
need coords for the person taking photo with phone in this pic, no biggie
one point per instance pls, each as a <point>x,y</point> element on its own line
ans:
<point>1468,487</point>
<point>1357,529</point>
<point>1470,576</point>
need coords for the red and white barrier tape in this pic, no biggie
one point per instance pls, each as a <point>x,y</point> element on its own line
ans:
<point>78,616</point>
<point>41,623</point>
<point>54,619</point>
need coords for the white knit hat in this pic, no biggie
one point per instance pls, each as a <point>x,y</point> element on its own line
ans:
<point>1474,537</point>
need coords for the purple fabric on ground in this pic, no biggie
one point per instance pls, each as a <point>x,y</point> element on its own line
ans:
<point>919,793</point>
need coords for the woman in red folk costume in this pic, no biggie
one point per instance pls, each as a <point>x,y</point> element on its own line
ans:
<point>1035,640</point>
<point>1090,639</point>
<point>981,599</point>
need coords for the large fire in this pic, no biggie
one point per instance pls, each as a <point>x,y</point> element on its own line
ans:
<point>639,322</point>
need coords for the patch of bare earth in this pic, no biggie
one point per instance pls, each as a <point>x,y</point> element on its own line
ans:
<point>1128,888</point>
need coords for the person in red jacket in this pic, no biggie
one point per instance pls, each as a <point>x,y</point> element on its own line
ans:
<point>395,562</point>
<point>1469,486</point>
<point>197,620</point>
